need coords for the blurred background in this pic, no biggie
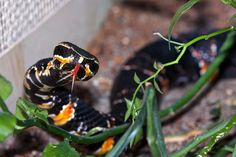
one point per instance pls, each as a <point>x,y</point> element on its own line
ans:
<point>110,29</point>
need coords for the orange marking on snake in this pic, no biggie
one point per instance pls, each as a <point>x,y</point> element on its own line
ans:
<point>87,71</point>
<point>106,146</point>
<point>66,114</point>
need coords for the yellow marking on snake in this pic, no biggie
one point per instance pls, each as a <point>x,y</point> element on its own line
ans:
<point>47,70</point>
<point>44,106</point>
<point>88,71</point>
<point>63,60</point>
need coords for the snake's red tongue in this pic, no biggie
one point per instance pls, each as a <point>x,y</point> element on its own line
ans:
<point>74,73</point>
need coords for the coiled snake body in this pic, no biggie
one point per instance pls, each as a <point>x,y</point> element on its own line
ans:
<point>45,81</point>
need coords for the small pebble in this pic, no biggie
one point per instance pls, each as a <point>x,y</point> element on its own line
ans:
<point>125,41</point>
<point>229,91</point>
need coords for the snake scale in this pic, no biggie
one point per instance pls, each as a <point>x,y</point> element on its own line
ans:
<point>45,82</point>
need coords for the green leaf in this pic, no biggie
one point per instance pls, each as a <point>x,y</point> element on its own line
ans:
<point>232,17</point>
<point>137,138</point>
<point>136,78</point>
<point>26,109</point>
<point>155,66</point>
<point>137,103</point>
<point>7,125</point>
<point>158,65</point>
<point>132,130</point>
<point>6,88</point>
<point>225,1</point>
<point>129,109</point>
<point>234,153</point>
<point>157,86</point>
<point>185,7</point>
<point>155,137</point>
<point>134,114</point>
<point>3,106</point>
<point>62,149</point>
<point>20,113</point>
<point>135,108</point>
<point>229,2</point>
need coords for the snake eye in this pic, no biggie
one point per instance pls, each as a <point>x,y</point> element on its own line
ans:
<point>81,73</point>
<point>87,70</point>
<point>94,68</point>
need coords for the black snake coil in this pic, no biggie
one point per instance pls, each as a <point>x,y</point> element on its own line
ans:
<point>45,81</point>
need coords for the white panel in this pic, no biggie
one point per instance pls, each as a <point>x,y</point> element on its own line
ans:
<point>77,22</point>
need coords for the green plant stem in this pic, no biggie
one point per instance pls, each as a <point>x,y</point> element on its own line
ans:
<point>224,51</point>
<point>176,61</point>
<point>219,135</point>
<point>170,41</point>
<point>206,37</point>
<point>78,139</point>
<point>4,106</point>
<point>201,138</point>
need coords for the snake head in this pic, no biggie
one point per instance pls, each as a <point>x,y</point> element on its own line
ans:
<point>76,62</point>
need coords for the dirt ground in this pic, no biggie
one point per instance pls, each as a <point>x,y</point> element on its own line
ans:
<point>128,27</point>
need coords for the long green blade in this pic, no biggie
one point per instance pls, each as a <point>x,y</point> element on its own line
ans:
<point>132,131</point>
<point>155,137</point>
<point>185,7</point>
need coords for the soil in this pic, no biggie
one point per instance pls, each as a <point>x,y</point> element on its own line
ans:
<point>129,26</point>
